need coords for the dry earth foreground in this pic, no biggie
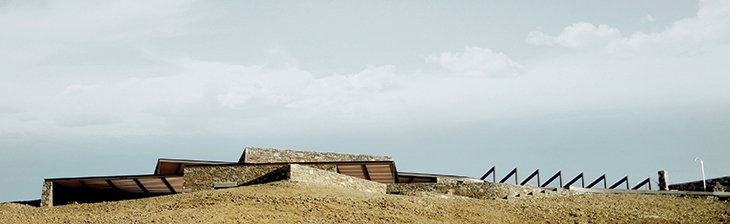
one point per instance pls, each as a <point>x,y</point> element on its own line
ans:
<point>293,202</point>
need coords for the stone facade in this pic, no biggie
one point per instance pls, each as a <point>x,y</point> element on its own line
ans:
<point>721,184</point>
<point>198,178</point>
<point>331,167</point>
<point>253,155</point>
<point>302,173</point>
<point>483,190</point>
<point>47,194</point>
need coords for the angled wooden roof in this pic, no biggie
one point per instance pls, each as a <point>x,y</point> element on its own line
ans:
<point>145,184</point>
<point>382,172</point>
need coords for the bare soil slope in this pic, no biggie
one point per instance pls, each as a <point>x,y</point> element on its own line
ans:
<point>286,202</point>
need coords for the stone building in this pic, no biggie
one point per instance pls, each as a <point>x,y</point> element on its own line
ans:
<point>256,165</point>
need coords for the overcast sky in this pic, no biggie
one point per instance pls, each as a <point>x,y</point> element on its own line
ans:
<point>616,87</point>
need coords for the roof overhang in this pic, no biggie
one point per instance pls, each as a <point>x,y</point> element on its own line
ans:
<point>136,184</point>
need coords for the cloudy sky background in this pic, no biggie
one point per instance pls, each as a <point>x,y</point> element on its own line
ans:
<point>620,87</point>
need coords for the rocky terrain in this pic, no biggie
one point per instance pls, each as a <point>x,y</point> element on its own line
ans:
<point>289,202</point>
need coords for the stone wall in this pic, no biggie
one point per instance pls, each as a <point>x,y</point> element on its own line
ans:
<point>721,184</point>
<point>331,167</point>
<point>483,190</point>
<point>302,173</point>
<point>207,177</point>
<point>454,180</point>
<point>202,177</point>
<point>47,194</point>
<point>269,155</point>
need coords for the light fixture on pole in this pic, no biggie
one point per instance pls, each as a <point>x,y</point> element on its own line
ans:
<point>704,184</point>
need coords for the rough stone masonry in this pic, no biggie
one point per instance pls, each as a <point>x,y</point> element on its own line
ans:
<point>253,155</point>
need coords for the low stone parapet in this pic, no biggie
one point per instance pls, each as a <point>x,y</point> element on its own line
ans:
<point>484,190</point>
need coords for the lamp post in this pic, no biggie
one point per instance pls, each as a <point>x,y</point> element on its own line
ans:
<point>704,184</point>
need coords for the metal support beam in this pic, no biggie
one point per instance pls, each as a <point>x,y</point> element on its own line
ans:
<point>177,170</point>
<point>625,179</point>
<point>558,174</point>
<point>580,176</point>
<point>395,173</point>
<point>141,186</point>
<point>513,172</point>
<point>114,186</point>
<point>365,172</point>
<point>647,181</point>
<point>169,186</point>
<point>490,171</point>
<point>602,177</point>
<point>85,186</point>
<point>536,173</point>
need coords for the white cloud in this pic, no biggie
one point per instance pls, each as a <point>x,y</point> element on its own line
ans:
<point>579,35</point>
<point>182,94</point>
<point>208,96</point>
<point>650,18</point>
<point>362,94</point>
<point>686,36</point>
<point>478,62</point>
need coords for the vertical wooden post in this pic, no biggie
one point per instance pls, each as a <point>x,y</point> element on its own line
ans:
<point>663,180</point>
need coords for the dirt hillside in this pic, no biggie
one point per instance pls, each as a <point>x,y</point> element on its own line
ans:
<point>287,202</point>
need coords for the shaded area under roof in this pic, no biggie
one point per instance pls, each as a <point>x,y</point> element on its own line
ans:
<point>113,188</point>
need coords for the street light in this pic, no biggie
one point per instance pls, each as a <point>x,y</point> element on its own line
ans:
<point>704,184</point>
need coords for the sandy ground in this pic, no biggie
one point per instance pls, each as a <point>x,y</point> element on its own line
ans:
<point>286,202</point>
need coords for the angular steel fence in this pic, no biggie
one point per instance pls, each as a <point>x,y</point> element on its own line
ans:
<point>559,175</point>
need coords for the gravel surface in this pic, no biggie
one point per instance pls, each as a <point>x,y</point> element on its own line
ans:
<point>287,202</point>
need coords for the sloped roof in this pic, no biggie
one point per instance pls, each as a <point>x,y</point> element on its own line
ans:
<point>146,184</point>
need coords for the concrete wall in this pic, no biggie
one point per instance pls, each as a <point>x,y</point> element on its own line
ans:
<point>198,178</point>
<point>721,184</point>
<point>302,173</point>
<point>467,189</point>
<point>269,155</point>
